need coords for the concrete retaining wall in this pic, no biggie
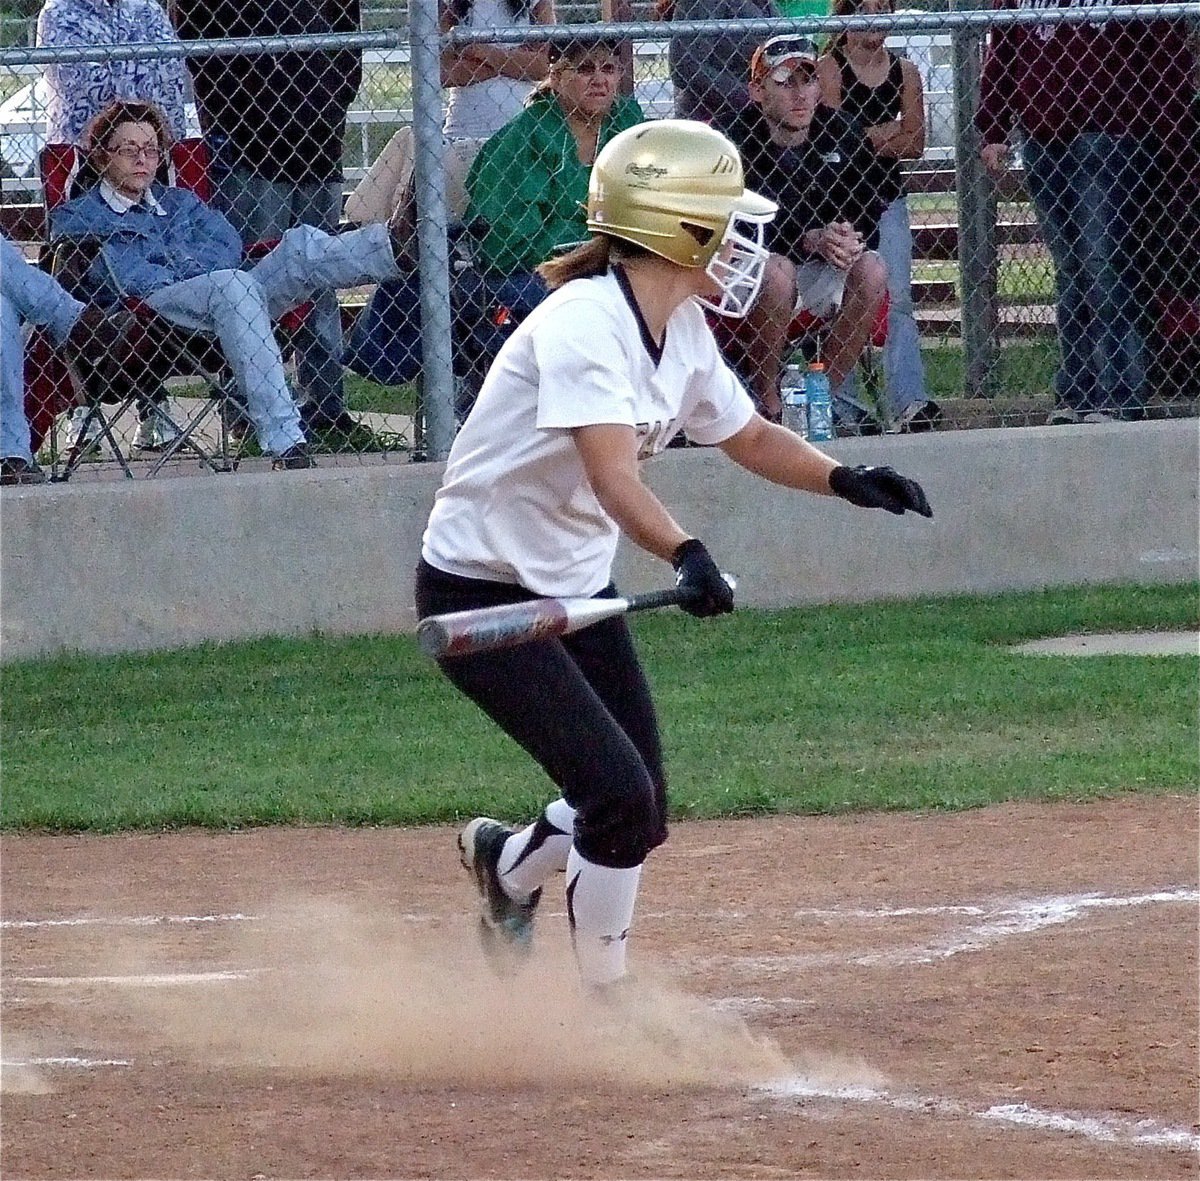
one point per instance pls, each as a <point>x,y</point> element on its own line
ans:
<point>107,567</point>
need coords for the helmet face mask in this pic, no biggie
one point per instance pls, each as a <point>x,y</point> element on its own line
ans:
<point>675,188</point>
<point>738,265</point>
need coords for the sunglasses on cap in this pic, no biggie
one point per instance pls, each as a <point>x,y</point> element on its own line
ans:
<point>782,54</point>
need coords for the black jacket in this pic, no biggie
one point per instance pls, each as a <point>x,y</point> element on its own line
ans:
<point>830,177</point>
<point>282,115</point>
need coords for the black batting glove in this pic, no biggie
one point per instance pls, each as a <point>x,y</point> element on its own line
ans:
<point>879,487</point>
<point>696,574</point>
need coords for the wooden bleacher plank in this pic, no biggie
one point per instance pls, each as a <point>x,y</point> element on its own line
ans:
<point>938,241</point>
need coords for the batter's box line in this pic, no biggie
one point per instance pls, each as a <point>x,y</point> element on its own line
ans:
<point>1002,922</point>
<point>1107,1127</point>
<point>64,1060</point>
<point>143,920</point>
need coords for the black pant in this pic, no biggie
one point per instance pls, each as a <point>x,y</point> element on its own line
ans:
<point>580,705</point>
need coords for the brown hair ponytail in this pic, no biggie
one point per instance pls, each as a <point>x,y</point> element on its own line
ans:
<point>587,260</point>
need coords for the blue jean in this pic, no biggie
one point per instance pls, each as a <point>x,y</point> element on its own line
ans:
<point>902,367</point>
<point>1088,194</point>
<point>238,307</point>
<point>261,209</point>
<point>27,295</point>
<point>903,370</point>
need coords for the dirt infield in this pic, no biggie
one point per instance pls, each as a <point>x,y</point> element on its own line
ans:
<point>1008,992</point>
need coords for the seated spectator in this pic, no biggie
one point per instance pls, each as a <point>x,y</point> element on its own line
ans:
<point>527,188</point>
<point>817,164</point>
<point>79,91</point>
<point>30,296</point>
<point>884,92</point>
<point>183,259</point>
<point>708,72</point>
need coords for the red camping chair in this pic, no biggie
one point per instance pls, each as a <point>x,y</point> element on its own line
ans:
<point>49,388</point>
<point>807,332</point>
<point>157,349</point>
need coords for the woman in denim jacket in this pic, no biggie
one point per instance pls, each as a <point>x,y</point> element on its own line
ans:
<point>167,248</point>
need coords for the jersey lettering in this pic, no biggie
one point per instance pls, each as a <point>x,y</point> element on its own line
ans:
<point>653,437</point>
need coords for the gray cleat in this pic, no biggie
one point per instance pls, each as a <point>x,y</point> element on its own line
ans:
<point>506,926</point>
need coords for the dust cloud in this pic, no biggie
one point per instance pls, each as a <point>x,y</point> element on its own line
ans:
<point>332,990</point>
<point>18,1076</point>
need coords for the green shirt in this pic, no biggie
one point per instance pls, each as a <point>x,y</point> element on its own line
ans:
<point>528,188</point>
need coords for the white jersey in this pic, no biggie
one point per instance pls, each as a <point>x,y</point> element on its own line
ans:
<point>515,505</point>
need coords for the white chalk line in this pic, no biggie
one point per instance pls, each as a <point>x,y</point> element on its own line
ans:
<point>144,980</point>
<point>1002,922</point>
<point>145,920</point>
<point>64,1061</point>
<point>831,914</point>
<point>1108,1128</point>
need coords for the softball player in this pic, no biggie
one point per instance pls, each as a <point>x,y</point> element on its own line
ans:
<point>544,477</point>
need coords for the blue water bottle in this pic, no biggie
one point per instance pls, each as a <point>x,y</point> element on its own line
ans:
<point>820,404</point>
<point>795,400</point>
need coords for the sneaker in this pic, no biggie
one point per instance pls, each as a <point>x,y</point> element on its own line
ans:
<point>295,457</point>
<point>1063,416</point>
<point>236,422</point>
<point>155,433</point>
<point>76,434</point>
<point>919,417</point>
<point>852,426</point>
<point>16,470</point>
<point>505,925</point>
<point>341,432</point>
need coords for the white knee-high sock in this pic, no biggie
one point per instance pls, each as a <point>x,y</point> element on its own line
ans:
<point>600,905</point>
<point>537,852</point>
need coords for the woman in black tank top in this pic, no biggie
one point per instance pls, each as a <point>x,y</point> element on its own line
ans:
<point>861,76</point>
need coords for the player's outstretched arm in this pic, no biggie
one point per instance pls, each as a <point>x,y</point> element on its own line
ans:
<point>780,456</point>
<point>784,458</point>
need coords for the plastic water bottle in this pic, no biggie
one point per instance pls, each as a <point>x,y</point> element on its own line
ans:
<point>795,400</point>
<point>820,403</point>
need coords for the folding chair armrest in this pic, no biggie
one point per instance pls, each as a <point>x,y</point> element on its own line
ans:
<point>70,258</point>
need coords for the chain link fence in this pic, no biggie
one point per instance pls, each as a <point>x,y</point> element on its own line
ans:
<point>987,219</point>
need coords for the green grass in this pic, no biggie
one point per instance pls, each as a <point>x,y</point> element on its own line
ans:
<point>1020,281</point>
<point>362,394</point>
<point>1022,370</point>
<point>828,709</point>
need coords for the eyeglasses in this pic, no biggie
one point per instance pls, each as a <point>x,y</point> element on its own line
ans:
<point>589,69</point>
<point>782,51</point>
<point>793,79</point>
<point>136,151</point>
<point>779,49</point>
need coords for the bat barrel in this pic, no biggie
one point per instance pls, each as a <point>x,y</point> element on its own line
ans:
<point>505,626</point>
<point>462,633</point>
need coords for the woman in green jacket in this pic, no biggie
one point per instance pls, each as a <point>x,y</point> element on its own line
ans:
<point>528,186</point>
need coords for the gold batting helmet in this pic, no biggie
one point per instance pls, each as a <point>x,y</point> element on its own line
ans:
<point>671,186</point>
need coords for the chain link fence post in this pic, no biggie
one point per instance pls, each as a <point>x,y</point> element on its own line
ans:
<point>437,377</point>
<point>976,203</point>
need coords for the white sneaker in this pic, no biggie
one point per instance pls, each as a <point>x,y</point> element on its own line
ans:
<point>155,433</point>
<point>1063,416</point>
<point>75,431</point>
